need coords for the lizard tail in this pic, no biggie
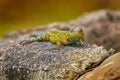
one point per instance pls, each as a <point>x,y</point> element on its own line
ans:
<point>27,41</point>
<point>37,37</point>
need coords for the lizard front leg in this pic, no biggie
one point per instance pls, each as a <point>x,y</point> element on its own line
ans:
<point>81,41</point>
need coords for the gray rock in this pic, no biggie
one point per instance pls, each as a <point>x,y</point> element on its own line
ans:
<point>41,61</point>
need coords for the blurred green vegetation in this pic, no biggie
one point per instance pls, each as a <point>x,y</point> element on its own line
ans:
<point>21,14</point>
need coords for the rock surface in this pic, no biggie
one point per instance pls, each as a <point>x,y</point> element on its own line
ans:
<point>41,61</point>
<point>108,70</point>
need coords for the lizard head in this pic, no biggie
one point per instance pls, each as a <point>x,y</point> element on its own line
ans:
<point>75,35</point>
<point>77,31</point>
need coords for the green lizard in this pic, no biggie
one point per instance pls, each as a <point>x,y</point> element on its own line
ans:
<point>58,37</point>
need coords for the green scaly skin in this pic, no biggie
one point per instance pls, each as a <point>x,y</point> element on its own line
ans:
<point>58,37</point>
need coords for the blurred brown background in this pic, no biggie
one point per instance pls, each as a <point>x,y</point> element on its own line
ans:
<point>20,14</point>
